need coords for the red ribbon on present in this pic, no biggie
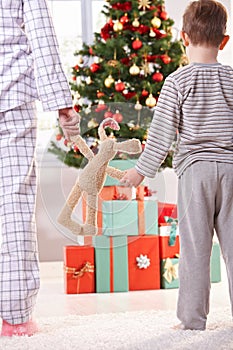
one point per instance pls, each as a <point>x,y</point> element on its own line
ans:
<point>147,192</point>
<point>111,265</point>
<point>141,218</point>
<point>87,268</point>
<point>120,197</point>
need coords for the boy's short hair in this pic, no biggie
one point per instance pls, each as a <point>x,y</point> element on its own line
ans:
<point>205,22</point>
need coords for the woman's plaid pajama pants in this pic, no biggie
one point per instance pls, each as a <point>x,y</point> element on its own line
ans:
<point>19,270</point>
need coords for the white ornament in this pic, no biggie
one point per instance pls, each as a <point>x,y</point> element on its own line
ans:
<point>143,262</point>
<point>131,124</point>
<point>88,110</point>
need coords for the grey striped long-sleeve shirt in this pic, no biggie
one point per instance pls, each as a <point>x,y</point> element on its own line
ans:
<point>196,103</point>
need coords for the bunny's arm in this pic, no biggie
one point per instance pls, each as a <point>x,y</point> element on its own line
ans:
<point>115,173</point>
<point>83,147</point>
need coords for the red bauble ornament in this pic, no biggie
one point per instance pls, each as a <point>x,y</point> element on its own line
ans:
<point>129,95</point>
<point>75,148</point>
<point>94,67</point>
<point>165,58</point>
<point>119,86</point>
<point>133,55</point>
<point>144,93</point>
<point>100,94</point>
<point>91,52</point>
<point>76,68</point>
<point>118,117</point>
<point>77,108</point>
<point>58,137</point>
<point>158,77</point>
<point>163,15</point>
<point>124,19</point>
<point>136,44</point>
<point>108,114</point>
<point>101,107</point>
<point>74,78</point>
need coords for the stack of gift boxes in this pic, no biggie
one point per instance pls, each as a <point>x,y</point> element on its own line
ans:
<point>137,246</point>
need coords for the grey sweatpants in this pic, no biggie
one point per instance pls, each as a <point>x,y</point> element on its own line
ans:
<point>205,203</point>
<point>19,272</point>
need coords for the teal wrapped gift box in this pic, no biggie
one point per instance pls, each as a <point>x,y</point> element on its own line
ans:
<point>111,262</point>
<point>169,273</point>
<point>121,164</point>
<point>169,269</point>
<point>215,264</point>
<point>130,218</point>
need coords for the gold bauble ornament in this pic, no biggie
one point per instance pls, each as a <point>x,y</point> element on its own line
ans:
<point>109,81</point>
<point>80,60</point>
<point>118,26</point>
<point>89,81</point>
<point>92,123</point>
<point>112,63</point>
<point>138,106</point>
<point>156,22</point>
<point>151,101</point>
<point>184,60</point>
<point>134,69</point>
<point>152,33</point>
<point>136,23</point>
<point>77,95</point>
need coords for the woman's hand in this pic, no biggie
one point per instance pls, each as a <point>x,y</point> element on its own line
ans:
<point>69,122</point>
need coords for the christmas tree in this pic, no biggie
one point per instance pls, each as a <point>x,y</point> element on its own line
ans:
<point>121,74</point>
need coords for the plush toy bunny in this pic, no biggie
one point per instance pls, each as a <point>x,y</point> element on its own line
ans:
<point>92,177</point>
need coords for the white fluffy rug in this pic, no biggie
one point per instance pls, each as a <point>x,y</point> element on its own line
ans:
<point>143,330</point>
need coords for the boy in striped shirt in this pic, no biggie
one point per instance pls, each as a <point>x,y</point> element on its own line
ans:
<point>197,102</point>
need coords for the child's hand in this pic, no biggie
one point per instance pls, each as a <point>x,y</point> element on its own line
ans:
<point>69,122</point>
<point>132,178</point>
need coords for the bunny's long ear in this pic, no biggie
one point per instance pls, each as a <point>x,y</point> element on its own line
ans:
<point>108,122</point>
<point>131,146</point>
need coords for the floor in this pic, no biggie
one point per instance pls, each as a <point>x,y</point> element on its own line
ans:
<point>52,301</point>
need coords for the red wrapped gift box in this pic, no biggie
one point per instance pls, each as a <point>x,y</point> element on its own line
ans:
<point>166,250</point>
<point>140,249</point>
<point>79,274</point>
<point>166,209</point>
